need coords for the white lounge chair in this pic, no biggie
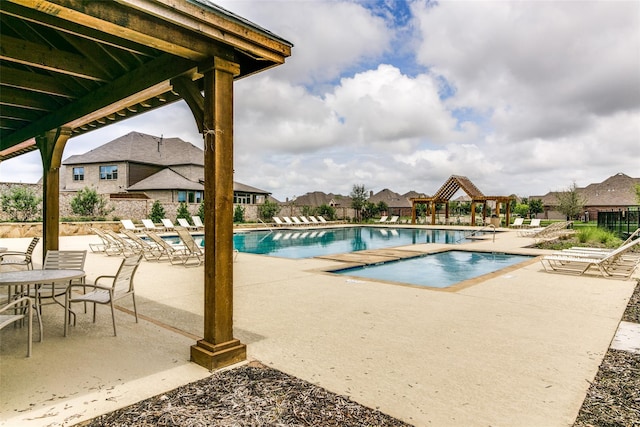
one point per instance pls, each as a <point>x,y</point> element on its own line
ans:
<point>193,251</point>
<point>393,220</point>
<point>184,223</point>
<point>288,221</point>
<point>167,224</point>
<point>304,220</point>
<point>149,225</point>
<point>321,219</point>
<point>197,222</point>
<point>278,221</point>
<point>617,263</point>
<point>128,224</point>
<point>313,219</point>
<point>535,223</point>
<point>517,223</point>
<point>296,221</point>
<point>383,218</point>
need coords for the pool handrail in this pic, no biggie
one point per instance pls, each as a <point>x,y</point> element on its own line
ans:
<point>477,231</point>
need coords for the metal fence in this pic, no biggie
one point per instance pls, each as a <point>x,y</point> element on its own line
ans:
<point>622,221</point>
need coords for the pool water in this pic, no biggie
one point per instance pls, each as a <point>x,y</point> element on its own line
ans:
<point>439,270</point>
<point>330,241</point>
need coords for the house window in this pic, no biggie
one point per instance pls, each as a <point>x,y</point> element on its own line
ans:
<point>242,198</point>
<point>190,196</point>
<point>109,172</point>
<point>78,174</point>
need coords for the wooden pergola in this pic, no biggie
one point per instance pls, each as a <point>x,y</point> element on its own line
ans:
<point>451,187</point>
<point>70,66</point>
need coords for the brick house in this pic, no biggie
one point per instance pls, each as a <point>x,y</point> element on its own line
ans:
<point>615,192</point>
<point>142,166</point>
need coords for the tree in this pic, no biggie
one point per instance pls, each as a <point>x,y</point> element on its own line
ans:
<point>201,211</point>
<point>327,212</point>
<point>570,202</point>
<point>21,203</point>
<point>183,211</point>
<point>157,212</point>
<point>358,197</point>
<point>268,210</point>
<point>369,210</point>
<point>637,190</point>
<point>89,203</point>
<point>238,214</point>
<point>521,209</point>
<point>382,207</point>
<point>535,207</point>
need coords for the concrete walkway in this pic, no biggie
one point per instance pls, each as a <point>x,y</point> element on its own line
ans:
<point>514,348</point>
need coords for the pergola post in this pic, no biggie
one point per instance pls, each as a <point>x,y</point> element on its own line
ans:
<point>51,145</point>
<point>218,348</point>
<point>473,212</point>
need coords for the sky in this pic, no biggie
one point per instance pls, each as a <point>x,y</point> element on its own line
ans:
<point>521,97</point>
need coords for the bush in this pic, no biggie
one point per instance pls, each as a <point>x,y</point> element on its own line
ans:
<point>183,212</point>
<point>21,203</point>
<point>238,214</point>
<point>157,212</point>
<point>268,209</point>
<point>328,212</point>
<point>89,203</point>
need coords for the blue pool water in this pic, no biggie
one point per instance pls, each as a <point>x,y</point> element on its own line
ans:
<point>331,241</point>
<point>439,270</point>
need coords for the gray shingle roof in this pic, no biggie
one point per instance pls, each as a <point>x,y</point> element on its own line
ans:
<point>166,179</point>
<point>617,190</point>
<point>138,147</point>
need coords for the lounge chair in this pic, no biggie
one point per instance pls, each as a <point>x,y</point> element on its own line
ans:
<point>383,219</point>
<point>535,223</point>
<point>288,221</point>
<point>192,250</point>
<point>20,258</point>
<point>321,219</point>
<point>150,250</point>
<point>313,219</point>
<point>126,247</point>
<point>167,224</point>
<point>128,224</point>
<point>109,245</point>
<point>149,225</point>
<point>305,220</point>
<point>296,220</point>
<point>185,224</point>
<point>172,252</point>
<point>551,231</point>
<point>120,287</point>
<point>278,221</point>
<point>197,222</point>
<point>618,263</point>
<point>393,220</point>
<point>517,223</point>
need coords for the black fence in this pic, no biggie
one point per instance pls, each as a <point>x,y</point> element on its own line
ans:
<point>622,221</point>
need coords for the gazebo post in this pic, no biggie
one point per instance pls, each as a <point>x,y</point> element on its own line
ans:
<point>473,212</point>
<point>218,348</point>
<point>51,145</point>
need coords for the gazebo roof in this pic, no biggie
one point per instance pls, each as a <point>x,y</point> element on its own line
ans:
<point>83,65</point>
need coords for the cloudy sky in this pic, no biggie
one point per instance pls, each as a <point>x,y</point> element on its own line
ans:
<point>522,97</point>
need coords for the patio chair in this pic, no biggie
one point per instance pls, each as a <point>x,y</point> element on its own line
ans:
<point>617,263</point>
<point>11,258</point>
<point>57,260</point>
<point>185,224</point>
<point>169,251</point>
<point>288,220</point>
<point>278,221</point>
<point>535,223</point>
<point>128,224</point>
<point>168,225</point>
<point>393,220</point>
<point>305,220</point>
<point>150,250</point>
<point>296,220</point>
<point>321,219</point>
<point>197,222</point>
<point>193,251</point>
<point>18,310</point>
<point>313,219</point>
<point>383,218</point>
<point>148,225</point>
<point>120,287</point>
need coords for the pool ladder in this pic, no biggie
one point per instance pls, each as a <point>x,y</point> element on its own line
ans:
<point>477,231</point>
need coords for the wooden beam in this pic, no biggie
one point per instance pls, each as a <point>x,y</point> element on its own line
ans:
<point>190,92</point>
<point>34,82</point>
<point>21,98</point>
<point>148,81</point>
<point>41,57</point>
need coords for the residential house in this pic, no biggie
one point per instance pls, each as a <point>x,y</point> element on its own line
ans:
<point>398,204</point>
<point>614,193</point>
<point>143,166</point>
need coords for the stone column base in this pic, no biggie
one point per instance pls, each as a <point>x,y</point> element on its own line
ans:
<point>216,356</point>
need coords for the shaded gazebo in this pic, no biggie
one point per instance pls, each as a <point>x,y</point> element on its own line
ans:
<point>447,191</point>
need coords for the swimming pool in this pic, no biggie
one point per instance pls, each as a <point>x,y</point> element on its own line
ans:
<point>439,270</point>
<point>331,241</point>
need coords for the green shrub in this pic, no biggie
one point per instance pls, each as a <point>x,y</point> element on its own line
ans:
<point>88,203</point>
<point>183,212</point>
<point>268,209</point>
<point>238,214</point>
<point>157,212</point>
<point>21,203</point>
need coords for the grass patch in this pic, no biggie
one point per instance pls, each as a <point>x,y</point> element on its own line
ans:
<point>585,236</point>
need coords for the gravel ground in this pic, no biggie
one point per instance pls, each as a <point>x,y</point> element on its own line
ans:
<point>255,395</point>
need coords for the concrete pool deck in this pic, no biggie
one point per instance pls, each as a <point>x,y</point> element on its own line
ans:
<point>517,348</point>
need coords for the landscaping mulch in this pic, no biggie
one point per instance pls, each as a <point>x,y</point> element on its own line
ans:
<point>255,395</point>
<point>251,395</point>
<point>613,399</point>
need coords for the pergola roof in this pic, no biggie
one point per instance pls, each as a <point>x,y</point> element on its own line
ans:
<point>451,187</point>
<point>86,64</point>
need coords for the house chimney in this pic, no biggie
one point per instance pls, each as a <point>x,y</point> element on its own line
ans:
<point>160,142</point>
<point>370,193</point>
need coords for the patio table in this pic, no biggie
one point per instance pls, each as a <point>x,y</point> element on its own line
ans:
<point>38,277</point>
